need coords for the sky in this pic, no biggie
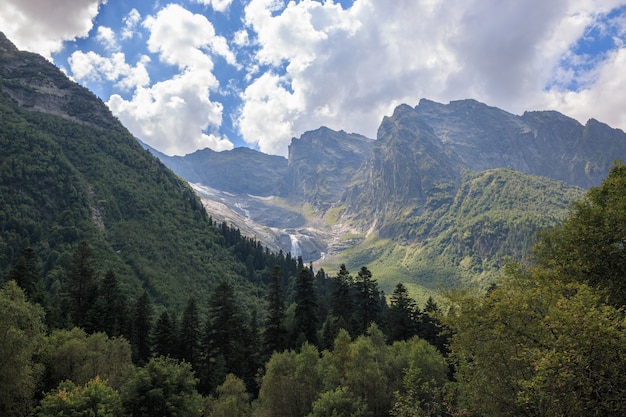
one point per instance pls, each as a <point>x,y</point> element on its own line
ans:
<point>184,75</point>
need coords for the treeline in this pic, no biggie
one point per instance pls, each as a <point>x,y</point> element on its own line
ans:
<point>98,345</point>
<point>549,339</point>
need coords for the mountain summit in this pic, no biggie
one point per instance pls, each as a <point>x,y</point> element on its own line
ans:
<point>446,192</point>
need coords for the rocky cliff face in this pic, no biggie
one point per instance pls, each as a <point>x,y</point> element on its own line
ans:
<point>36,84</point>
<point>544,143</point>
<point>335,182</point>
<point>322,163</point>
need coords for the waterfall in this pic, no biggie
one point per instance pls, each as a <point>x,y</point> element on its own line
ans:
<point>295,246</point>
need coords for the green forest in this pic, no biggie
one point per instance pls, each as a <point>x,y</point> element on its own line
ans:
<point>548,339</point>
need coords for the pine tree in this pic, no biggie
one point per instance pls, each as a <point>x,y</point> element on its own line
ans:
<point>189,338</point>
<point>224,347</point>
<point>341,303</point>
<point>431,329</point>
<point>306,314</point>
<point>110,310</point>
<point>164,336</point>
<point>403,315</point>
<point>26,275</point>
<point>275,333</point>
<point>81,287</point>
<point>142,329</point>
<point>367,300</point>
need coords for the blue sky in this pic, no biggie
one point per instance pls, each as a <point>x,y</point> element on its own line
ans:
<point>186,75</point>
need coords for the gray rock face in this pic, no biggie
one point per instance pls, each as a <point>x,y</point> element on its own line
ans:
<point>414,167</point>
<point>36,84</point>
<point>322,163</point>
<point>544,143</point>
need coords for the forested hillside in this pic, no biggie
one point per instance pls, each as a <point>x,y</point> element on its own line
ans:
<point>548,339</point>
<point>70,172</point>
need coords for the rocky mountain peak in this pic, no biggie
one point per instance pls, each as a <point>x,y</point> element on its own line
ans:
<point>6,46</point>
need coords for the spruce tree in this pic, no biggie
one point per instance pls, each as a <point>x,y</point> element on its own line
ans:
<point>164,336</point>
<point>110,310</point>
<point>431,329</point>
<point>142,329</point>
<point>367,300</point>
<point>81,287</point>
<point>224,347</point>
<point>275,334</point>
<point>26,275</point>
<point>189,337</point>
<point>341,302</point>
<point>306,314</point>
<point>403,315</point>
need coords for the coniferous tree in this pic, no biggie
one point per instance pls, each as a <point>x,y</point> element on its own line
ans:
<point>403,315</point>
<point>81,287</point>
<point>26,275</point>
<point>110,311</point>
<point>189,337</point>
<point>275,333</point>
<point>142,329</point>
<point>431,329</point>
<point>323,290</point>
<point>224,347</point>
<point>164,336</point>
<point>341,302</point>
<point>367,303</point>
<point>306,314</point>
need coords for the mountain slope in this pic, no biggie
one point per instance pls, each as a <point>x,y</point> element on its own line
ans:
<point>69,171</point>
<point>395,203</point>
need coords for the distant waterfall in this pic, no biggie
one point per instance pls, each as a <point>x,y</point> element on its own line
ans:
<point>295,246</point>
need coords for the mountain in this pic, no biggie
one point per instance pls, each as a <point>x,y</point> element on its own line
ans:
<point>70,172</point>
<point>274,199</point>
<point>445,194</point>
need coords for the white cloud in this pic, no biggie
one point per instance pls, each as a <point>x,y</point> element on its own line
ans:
<point>182,38</point>
<point>346,68</point>
<point>603,100</point>
<point>107,38</point>
<point>241,38</point>
<point>268,113</point>
<point>92,67</point>
<point>130,24</point>
<point>172,115</point>
<point>175,115</point>
<point>218,5</point>
<point>41,25</point>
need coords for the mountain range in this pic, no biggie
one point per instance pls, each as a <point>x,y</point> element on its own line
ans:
<point>70,173</point>
<point>444,195</point>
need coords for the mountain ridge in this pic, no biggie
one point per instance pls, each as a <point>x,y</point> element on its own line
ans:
<point>412,173</point>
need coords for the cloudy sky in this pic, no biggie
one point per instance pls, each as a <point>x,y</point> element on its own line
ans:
<point>189,74</point>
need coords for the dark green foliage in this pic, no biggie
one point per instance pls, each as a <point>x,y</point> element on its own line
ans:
<point>164,387</point>
<point>26,275</point>
<point>432,329</point>
<point>226,339</point>
<point>164,337</point>
<point>590,246</point>
<point>142,329</point>
<point>189,338</point>
<point>275,333</point>
<point>367,300</point>
<point>403,316</point>
<point>110,311</point>
<point>306,314</point>
<point>81,287</point>
<point>341,298</point>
